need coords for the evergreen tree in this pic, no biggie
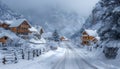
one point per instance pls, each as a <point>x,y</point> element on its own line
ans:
<point>41,31</point>
<point>56,36</point>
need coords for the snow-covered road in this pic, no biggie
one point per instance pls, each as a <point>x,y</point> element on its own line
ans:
<point>72,60</point>
<point>63,58</point>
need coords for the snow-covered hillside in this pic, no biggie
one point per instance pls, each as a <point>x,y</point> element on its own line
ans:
<point>7,14</point>
<point>105,18</point>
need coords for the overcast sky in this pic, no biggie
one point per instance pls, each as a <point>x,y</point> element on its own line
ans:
<point>83,7</point>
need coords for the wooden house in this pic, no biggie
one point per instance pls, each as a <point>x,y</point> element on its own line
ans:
<point>33,30</point>
<point>6,36</point>
<point>89,37</point>
<point>20,26</point>
<point>64,38</point>
<point>3,39</point>
<point>4,25</point>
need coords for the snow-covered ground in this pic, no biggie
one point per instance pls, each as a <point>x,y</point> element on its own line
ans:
<point>97,58</point>
<point>67,56</point>
<point>45,61</point>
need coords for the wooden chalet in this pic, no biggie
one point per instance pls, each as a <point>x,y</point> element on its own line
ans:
<point>4,25</point>
<point>3,39</point>
<point>6,36</point>
<point>64,38</point>
<point>89,37</point>
<point>20,26</point>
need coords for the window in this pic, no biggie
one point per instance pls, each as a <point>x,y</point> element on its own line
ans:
<point>5,38</point>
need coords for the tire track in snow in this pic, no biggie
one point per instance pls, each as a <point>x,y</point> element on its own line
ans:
<point>60,64</point>
<point>72,49</point>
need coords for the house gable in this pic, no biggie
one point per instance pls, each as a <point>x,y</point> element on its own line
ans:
<point>3,39</point>
<point>89,36</point>
<point>85,33</point>
<point>20,26</point>
<point>25,24</point>
<point>4,25</point>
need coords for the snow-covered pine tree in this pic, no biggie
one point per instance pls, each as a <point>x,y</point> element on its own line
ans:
<point>56,36</point>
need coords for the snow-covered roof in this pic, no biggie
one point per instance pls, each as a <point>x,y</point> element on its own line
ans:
<point>65,38</point>
<point>98,38</point>
<point>15,22</point>
<point>39,27</point>
<point>34,46</point>
<point>37,44</point>
<point>91,32</point>
<point>33,29</point>
<point>38,41</point>
<point>7,33</point>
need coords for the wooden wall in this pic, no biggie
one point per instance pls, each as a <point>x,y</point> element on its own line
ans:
<point>3,39</point>
<point>86,39</point>
<point>21,29</point>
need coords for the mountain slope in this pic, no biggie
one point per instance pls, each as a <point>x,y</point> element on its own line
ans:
<point>7,14</point>
<point>66,22</point>
<point>105,18</point>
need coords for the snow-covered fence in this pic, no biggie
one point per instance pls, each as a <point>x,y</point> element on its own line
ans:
<point>14,54</point>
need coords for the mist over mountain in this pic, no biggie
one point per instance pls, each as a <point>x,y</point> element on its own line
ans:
<point>8,14</point>
<point>66,17</point>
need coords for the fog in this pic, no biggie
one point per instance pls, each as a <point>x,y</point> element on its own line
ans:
<point>67,16</point>
<point>83,7</point>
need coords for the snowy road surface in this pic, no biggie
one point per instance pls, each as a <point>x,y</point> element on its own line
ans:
<point>72,60</point>
<point>63,58</point>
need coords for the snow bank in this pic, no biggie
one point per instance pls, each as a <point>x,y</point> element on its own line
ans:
<point>40,46</point>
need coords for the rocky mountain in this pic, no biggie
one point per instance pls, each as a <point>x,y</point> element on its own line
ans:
<point>7,14</point>
<point>105,18</point>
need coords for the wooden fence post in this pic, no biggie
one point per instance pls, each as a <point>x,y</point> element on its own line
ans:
<point>4,60</point>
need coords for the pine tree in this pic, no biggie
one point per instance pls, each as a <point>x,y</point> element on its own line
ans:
<point>55,36</point>
<point>41,31</point>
